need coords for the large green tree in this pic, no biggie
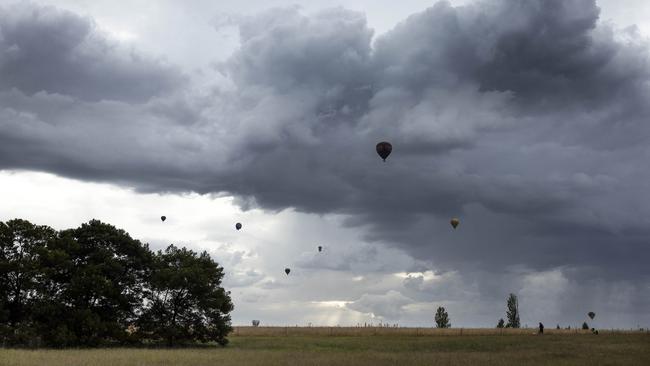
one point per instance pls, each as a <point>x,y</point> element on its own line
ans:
<point>185,300</point>
<point>95,276</point>
<point>95,285</point>
<point>21,246</point>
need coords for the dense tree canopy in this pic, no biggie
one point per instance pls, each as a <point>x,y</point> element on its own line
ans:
<point>184,301</point>
<point>96,285</point>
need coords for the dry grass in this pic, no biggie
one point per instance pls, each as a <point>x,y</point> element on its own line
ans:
<point>366,349</point>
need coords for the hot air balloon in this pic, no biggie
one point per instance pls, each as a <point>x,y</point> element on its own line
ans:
<point>163,218</point>
<point>454,222</point>
<point>384,149</point>
<point>287,270</point>
<point>320,249</point>
<point>238,226</point>
<point>591,314</point>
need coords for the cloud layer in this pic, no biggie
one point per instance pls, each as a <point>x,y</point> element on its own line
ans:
<point>528,120</point>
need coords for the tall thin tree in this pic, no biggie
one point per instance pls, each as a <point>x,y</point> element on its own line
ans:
<point>513,312</point>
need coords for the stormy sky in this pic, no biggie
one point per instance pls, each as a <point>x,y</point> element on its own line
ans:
<point>527,120</point>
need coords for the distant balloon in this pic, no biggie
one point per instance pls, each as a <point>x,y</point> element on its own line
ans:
<point>454,222</point>
<point>238,226</point>
<point>163,218</point>
<point>591,314</point>
<point>384,149</point>
<point>287,270</point>
<point>320,249</point>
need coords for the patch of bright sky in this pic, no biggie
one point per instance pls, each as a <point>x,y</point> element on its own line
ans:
<point>254,258</point>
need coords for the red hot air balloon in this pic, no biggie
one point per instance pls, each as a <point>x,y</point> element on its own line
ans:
<point>384,149</point>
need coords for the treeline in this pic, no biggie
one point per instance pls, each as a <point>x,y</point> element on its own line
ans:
<point>96,286</point>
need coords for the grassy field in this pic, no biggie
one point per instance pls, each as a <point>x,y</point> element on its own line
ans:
<point>511,348</point>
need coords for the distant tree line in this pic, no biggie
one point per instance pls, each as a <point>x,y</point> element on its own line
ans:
<point>96,286</point>
<point>512,313</point>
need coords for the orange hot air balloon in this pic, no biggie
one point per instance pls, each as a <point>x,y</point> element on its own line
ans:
<point>454,222</point>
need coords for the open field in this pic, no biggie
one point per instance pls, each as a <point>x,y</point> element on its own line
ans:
<point>510,348</point>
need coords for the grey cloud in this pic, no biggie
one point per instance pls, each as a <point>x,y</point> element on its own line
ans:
<point>56,51</point>
<point>347,259</point>
<point>554,296</point>
<point>243,279</point>
<point>388,306</point>
<point>531,130</point>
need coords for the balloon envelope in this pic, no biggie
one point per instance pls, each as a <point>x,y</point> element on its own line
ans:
<point>591,314</point>
<point>384,149</point>
<point>163,218</point>
<point>320,249</point>
<point>238,226</point>
<point>454,222</point>
<point>287,270</point>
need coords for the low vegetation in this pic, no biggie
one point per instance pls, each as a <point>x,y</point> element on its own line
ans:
<point>513,348</point>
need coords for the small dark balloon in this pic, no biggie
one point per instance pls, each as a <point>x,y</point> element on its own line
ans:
<point>163,218</point>
<point>238,226</point>
<point>454,222</point>
<point>320,249</point>
<point>384,149</point>
<point>287,270</point>
<point>591,314</point>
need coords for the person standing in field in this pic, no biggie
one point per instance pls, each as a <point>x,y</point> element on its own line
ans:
<point>541,328</point>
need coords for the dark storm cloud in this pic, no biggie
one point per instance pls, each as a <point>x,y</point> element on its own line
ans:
<point>528,120</point>
<point>55,51</point>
